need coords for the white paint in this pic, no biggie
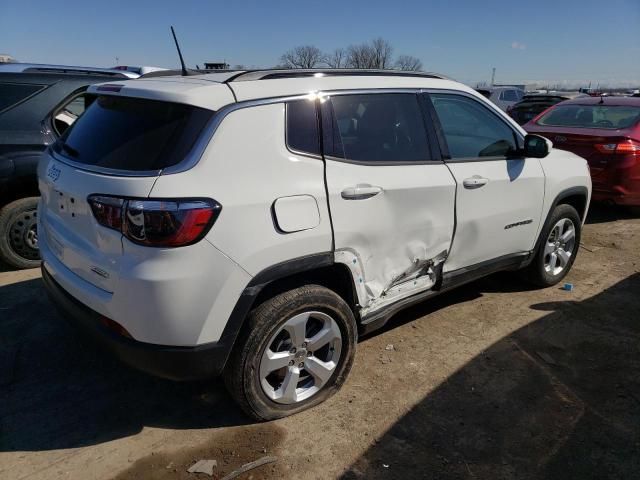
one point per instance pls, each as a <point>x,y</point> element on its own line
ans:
<point>513,192</point>
<point>296,213</point>
<point>410,219</point>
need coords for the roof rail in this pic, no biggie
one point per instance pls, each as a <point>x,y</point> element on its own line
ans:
<point>72,71</point>
<point>270,74</point>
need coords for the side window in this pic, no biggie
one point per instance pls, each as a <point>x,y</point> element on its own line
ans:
<point>471,129</point>
<point>382,127</point>
<point>68,112</point>
<point>302,133</point>
<point>12,93</point>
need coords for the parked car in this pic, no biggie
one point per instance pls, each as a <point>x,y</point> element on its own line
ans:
<point>139,69</point>
<point>503,97</point>
<point>236,223</point>
<point>605,131</point>
<point>37,104</point>
<point>534,104</point>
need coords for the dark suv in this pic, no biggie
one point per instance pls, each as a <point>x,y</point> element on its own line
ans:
<point>37,104</point>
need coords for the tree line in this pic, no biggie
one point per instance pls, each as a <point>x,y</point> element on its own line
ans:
<point>377,54</point>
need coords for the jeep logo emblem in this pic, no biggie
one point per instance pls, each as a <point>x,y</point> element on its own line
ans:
<point>53,173</point>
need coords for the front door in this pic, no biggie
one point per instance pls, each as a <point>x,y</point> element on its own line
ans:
<point>500,194</point>
<point>391,198</point>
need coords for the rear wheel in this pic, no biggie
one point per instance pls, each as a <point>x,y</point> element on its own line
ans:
<point>19,234</point>
<point>295,352</point>
<point>558,249</point>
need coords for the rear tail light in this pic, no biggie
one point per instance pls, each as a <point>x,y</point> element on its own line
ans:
<point>624,148</point>
<point>156,223</point>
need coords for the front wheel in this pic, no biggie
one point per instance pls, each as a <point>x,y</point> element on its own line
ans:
<point>18,233</point>
<point>295,352</point>
<point>560,240</point>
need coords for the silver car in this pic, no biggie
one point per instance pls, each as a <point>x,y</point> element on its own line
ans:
<point>503,97</point>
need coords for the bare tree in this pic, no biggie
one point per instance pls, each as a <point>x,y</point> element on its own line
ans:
<point>382,53</point>
<point>408,63</point>
<point>360,56</point>
<point>376,54</point>
<point>306,56</point>
<point>336,59</point>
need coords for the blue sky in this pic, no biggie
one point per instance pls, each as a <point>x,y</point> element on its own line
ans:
<point>527,41</point>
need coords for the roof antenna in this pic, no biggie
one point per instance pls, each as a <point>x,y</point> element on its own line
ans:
<point>184,69</point>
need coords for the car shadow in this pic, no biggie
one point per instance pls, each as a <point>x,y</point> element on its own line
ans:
<point>604,213</point>
<point>557,399</point>
<point>58,392</point>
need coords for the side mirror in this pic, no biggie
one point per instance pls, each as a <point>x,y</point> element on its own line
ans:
<point>536,146</point>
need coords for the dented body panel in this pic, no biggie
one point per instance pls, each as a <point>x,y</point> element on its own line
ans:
<point>392,241</point>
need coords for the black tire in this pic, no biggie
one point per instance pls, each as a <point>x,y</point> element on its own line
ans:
<point>535,273</point>
<point>241,373</point>
<point>16,236</point>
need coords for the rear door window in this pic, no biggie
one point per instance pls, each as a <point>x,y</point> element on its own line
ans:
<point>13,93</point>
<point>378,128</point>
<point>133,134</point>
<point>471,130</point>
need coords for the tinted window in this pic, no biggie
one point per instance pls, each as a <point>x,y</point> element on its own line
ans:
<point>133,134</point>
<point>509,96</point>
<point>302,126</point>
<point>379,128</point>
<point>471,129</point>
<point>592,116</point>
<point>12,93</point>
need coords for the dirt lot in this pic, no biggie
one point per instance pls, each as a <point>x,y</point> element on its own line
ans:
<point>491,381</point>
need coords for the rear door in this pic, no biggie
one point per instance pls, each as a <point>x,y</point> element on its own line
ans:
<point>391,197</point>
<point>499,196</point>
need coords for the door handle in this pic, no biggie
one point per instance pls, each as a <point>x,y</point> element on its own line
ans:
<point>475,182</point>
<point>361,191</point>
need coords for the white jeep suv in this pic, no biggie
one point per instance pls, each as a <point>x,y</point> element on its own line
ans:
<point>253,223</point>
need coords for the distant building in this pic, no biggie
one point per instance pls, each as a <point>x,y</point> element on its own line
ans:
<point>4,58</point>
<point>216,66</point>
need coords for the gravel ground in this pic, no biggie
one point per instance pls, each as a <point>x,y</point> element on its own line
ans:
<point>492,381</point>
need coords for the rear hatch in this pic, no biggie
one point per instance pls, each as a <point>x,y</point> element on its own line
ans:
<point>117,148</point>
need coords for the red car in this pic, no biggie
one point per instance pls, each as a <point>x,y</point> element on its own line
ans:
<point>606,132</point>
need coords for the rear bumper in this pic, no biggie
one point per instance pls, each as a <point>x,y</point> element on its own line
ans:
<point>175,363</point>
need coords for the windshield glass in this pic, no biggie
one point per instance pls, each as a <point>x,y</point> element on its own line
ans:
<point>592,116</point>
<point>133,134</point>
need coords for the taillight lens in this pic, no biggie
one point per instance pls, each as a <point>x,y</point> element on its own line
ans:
<point>156,223</point>
<point>628,147</point>
<point>107,210</point>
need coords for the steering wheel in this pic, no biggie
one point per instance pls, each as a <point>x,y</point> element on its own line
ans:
<point>604,123</point>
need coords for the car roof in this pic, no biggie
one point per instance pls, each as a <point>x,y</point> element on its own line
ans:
<point>64,69</point>
<point>200,90</point>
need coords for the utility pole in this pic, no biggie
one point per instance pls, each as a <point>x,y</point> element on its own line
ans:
<point>493,76</point>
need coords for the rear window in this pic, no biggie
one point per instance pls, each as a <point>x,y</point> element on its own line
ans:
<point>13,93</point>
<point>592,116</point>
<point>133,134</point>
